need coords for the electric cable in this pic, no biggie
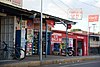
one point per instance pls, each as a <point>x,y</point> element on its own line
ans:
<point>89,4</point>
<point>58,6</point>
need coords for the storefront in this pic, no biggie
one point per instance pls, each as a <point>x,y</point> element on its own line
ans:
<point>12,27</point>
<point>46,36</point>
<point>76,41</point>
<point>94,44</point>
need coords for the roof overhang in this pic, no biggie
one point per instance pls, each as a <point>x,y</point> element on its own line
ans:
<point>95,35</point>
<point>12,10</point>
<point>50,17</point>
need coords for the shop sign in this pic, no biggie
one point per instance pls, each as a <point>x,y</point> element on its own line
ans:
<point>75,14</point>
<point>85,51</point>
<point>70,42</point>
<point>93,18</point>
<point>18,24</point>
<point>36,20</point>
<point>50,23</point>
<point>56,38</point>
<point>80,37</point>
<point>29,41</point>
<point>94,45</point>
<point>30,24</point>
<point>17,3</point>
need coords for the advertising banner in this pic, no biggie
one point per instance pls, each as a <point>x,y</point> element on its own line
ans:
<point>70,42</point>
<point>75,14</point>
<point>85,50</point>
<point>93,18</point>
<point>56,38</point>
<point>29,41</point>
<point>50,23</point>
<point>37,20</point>
<point>17,3</point>
<point>30,24</point>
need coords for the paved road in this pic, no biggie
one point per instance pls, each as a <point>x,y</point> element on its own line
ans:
<point>95,63</point>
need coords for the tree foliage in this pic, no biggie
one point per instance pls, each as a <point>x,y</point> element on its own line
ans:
<point>73,30</point>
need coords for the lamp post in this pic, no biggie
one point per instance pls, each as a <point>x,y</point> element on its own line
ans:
<point>66,25</point>
<point>41,34</point>
<point>89,42</point>
<point>66,39</point>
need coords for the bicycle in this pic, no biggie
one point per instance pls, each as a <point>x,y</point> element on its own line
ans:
<point>16,53</point>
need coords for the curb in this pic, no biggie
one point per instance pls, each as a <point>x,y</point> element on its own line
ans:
<point>22,64</point>
<point>46,62</point>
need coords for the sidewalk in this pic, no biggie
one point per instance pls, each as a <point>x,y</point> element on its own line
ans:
<point>50,59</point>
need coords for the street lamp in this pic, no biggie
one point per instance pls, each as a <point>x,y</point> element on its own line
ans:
<point>41,34</point>
<point>89,42</point>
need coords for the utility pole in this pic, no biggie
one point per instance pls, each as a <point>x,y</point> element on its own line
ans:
<point>66,39</point>
<point>66,25</point>
<point>41,34</point>
<point>93,27</point>
<point>89,41</point>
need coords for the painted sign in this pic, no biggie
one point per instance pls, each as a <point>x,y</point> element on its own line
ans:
<point>30,24</point>
<point>85,50</point>
<point>17,3</point>
<point>70,42</point>
<point>36,20</point>
<point>93,18</point>
<point>56,38</point>
<point>29,41</point>
<point>80,37</point>
<point>75,14</point>
<point>50,23</point>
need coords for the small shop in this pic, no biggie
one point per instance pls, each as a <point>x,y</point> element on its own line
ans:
<point>46,35</point>
<point>77,42</point>
<point>21,28</point>
<point>13,26</point>
<point>94,44</point>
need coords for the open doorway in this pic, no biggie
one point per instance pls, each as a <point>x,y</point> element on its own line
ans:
<point>80,47</point>
<point>74,47</point>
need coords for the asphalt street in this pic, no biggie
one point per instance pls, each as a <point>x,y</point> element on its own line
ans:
<point>95,63</point>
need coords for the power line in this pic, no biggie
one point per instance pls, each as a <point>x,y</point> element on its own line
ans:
<point>65,4</point>
<point>58,5</point>
<point>88,4</point>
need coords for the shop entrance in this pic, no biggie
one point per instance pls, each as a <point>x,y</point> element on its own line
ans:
<point>74,47</point>
<point>6,34</point>
<point>80,44</point>
<point>56,48</point>
<point>95,50</point>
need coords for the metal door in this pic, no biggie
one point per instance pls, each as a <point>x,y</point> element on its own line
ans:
<point>7,33</point>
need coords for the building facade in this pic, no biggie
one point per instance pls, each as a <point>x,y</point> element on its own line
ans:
<point>17,3</point>
<point>12,27</point>
<point>94,44</point>
<point>78,41</point>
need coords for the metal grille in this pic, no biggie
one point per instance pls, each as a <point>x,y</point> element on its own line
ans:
<point>6,32</point>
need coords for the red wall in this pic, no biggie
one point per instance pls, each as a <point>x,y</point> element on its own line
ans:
<point>76,36</point>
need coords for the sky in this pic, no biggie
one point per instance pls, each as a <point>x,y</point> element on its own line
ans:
<point>59,8</point>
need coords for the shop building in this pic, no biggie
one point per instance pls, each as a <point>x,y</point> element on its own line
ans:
<point>94,44</point>
<point>21,28</point>
<point>77,41</point>
<point>12,27</point>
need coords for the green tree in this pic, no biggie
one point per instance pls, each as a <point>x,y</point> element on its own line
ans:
<point>73,30</point>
